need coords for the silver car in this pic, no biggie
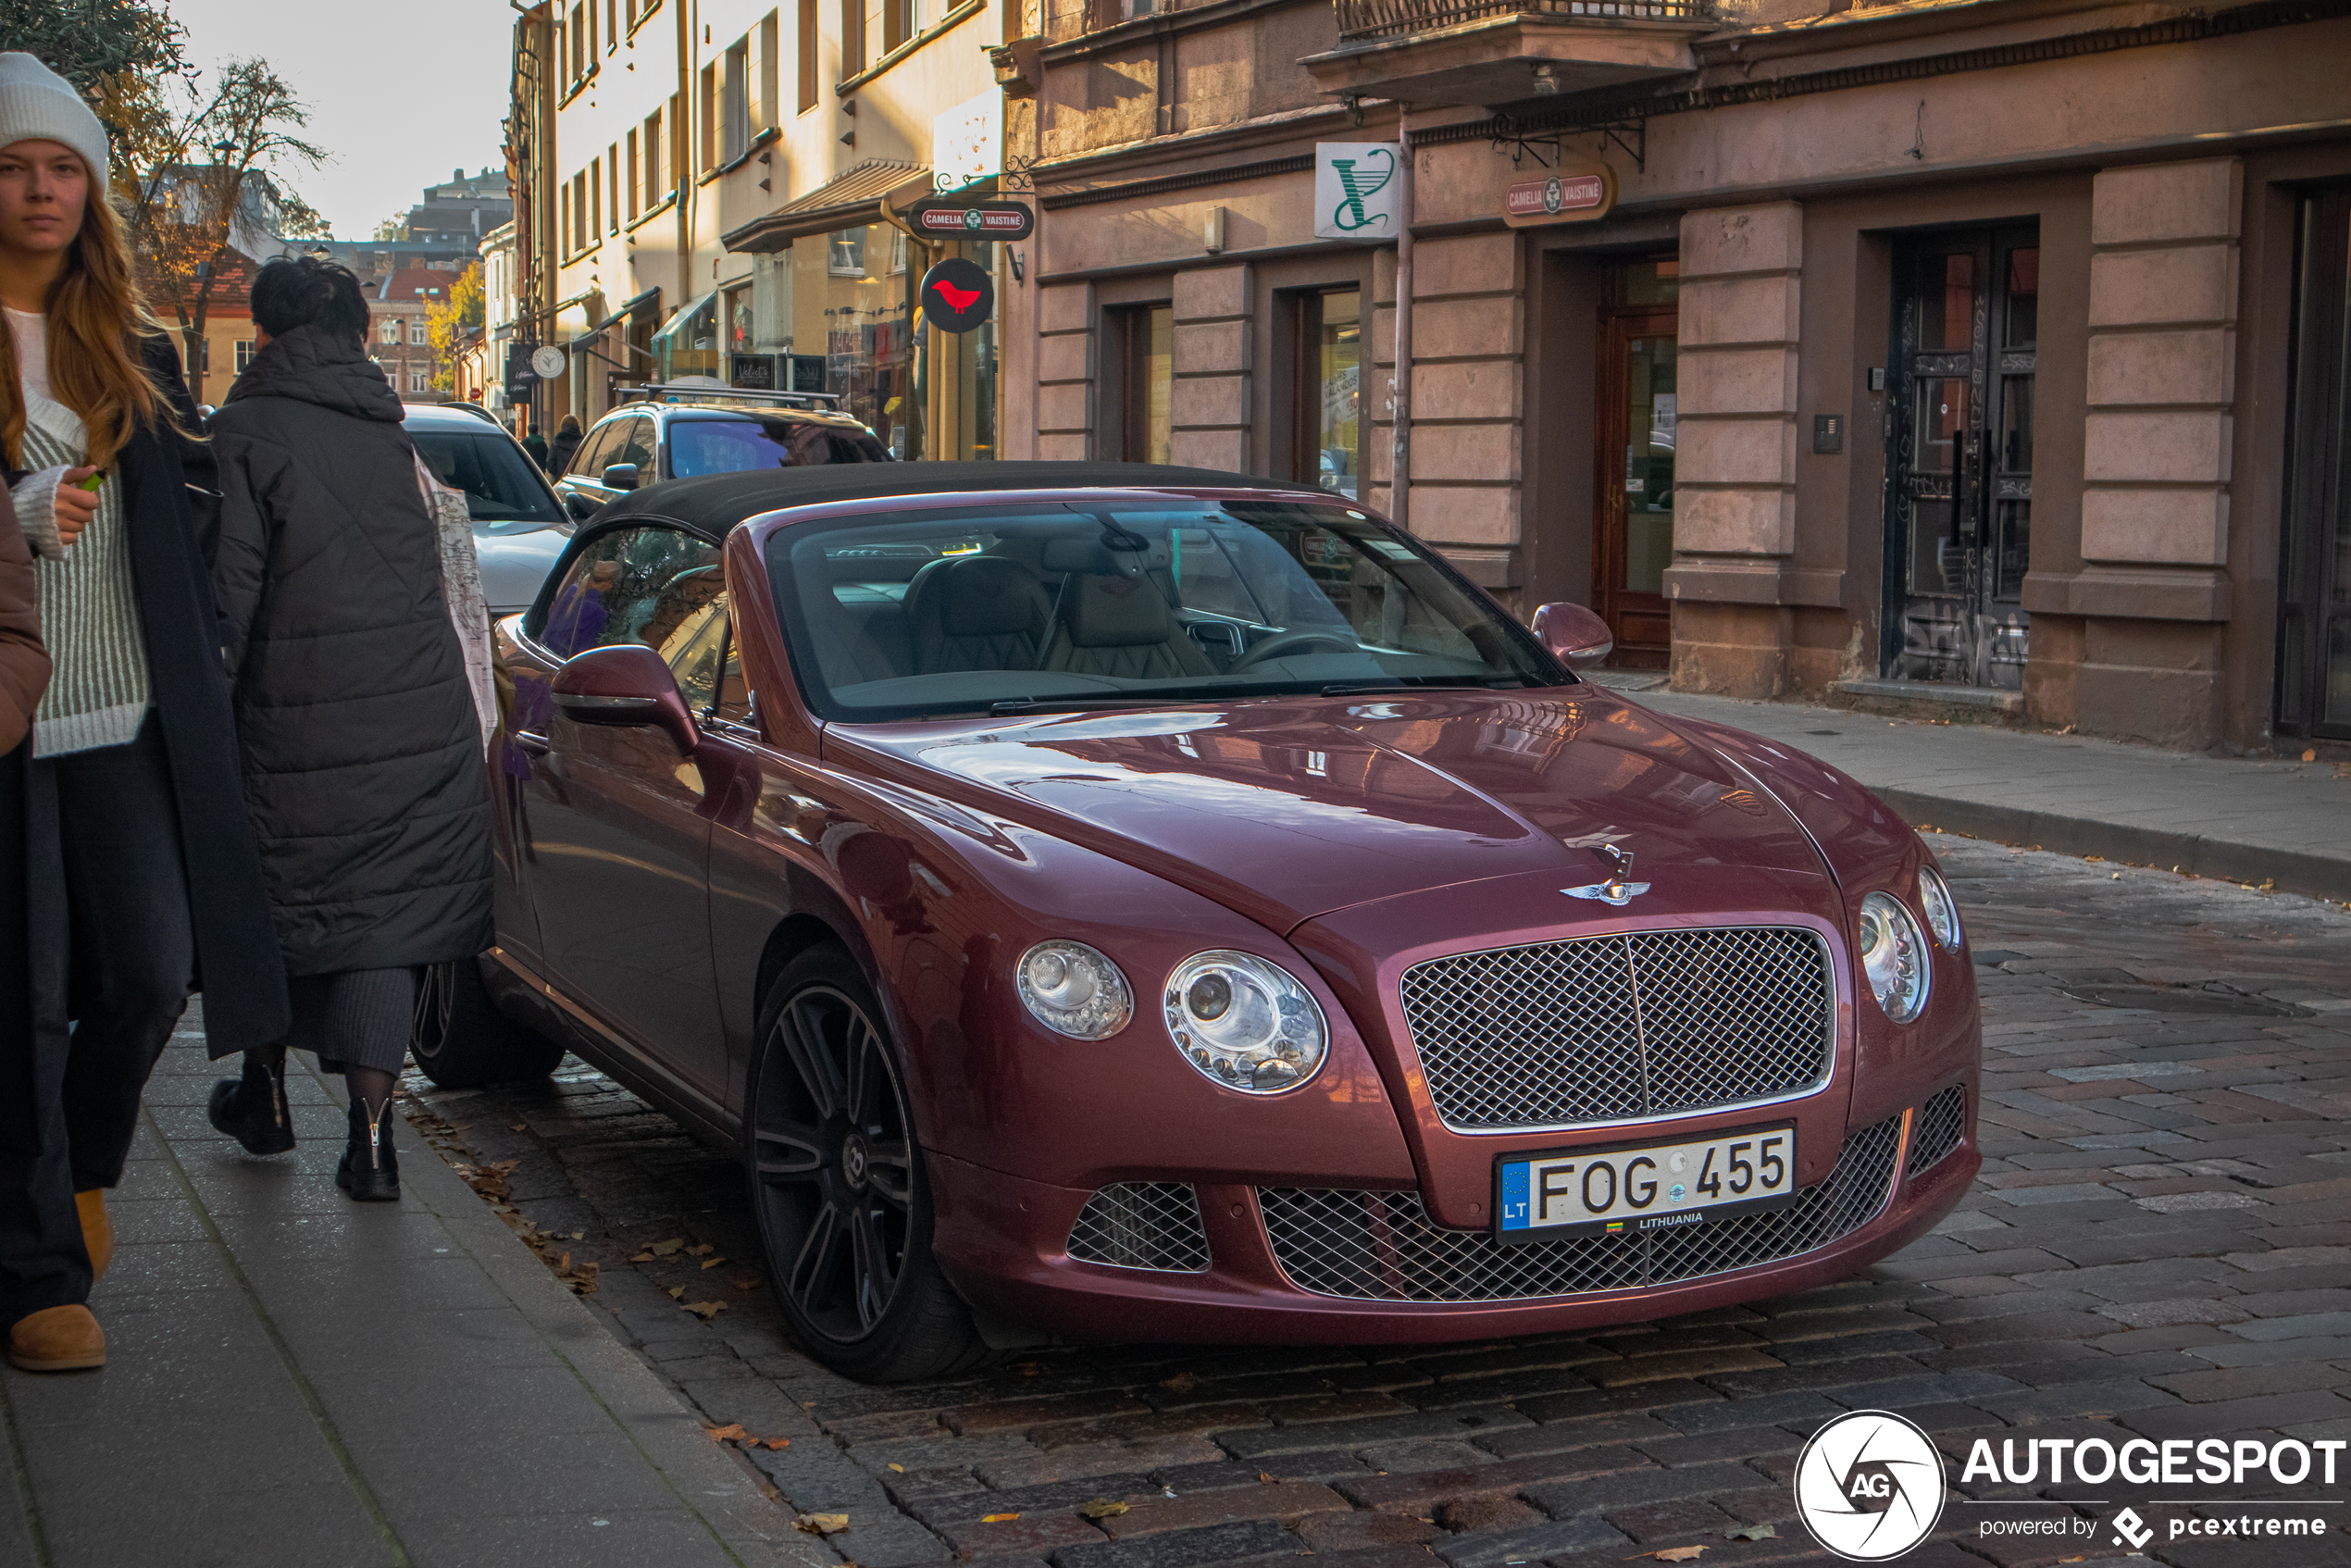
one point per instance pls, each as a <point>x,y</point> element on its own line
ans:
<point>519,527</point>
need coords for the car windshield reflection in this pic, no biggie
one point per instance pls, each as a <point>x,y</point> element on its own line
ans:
<point>503,496</point>
<point>1023,607</point>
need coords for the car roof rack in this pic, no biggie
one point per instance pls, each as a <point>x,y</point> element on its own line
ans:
<point>713,392</point>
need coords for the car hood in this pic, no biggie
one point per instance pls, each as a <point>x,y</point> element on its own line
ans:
<point>1291,808</point>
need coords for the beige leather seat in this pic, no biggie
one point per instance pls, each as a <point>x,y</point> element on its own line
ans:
<point>976,612</point>
<point>1122,627</point>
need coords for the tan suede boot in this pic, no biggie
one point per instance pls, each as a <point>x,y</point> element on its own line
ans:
<point>57,1340</point>
<point>97,1230</point>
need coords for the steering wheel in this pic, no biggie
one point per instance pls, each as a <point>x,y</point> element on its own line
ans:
<point>1290,642</point>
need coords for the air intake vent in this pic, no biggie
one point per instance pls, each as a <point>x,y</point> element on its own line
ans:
<point>1142,1225</point>
<point>1941,1124</point>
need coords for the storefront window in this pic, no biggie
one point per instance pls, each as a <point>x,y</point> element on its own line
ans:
<point>1150,350</point>
<point>856,316</point>
<point>688,345</point>
<point>1655,281</point>
<point>1337,346</point>
<point>1651,429</point>
<point>959,374</point>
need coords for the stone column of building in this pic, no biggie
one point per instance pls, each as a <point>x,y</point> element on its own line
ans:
<point>1065,372</point>
<point>1208,410</point>
<point>2157,439</point>
<point>1469,305</point>
<point>1734,455</point>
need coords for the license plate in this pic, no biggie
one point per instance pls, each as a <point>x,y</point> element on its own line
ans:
<point>1626,1188</point>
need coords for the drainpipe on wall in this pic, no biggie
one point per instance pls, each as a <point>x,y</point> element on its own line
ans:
<point>684,156</point>
<point>1399,489</point>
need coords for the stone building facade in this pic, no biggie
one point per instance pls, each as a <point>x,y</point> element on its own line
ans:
<point>1980,359</point>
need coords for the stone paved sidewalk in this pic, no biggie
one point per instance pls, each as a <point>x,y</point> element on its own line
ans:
<point>2246,820</point>
<point>2159,1247</point>
<point>301,1381</point>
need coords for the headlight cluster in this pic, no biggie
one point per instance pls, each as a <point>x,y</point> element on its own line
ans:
<point>1894,957</point>
<point>1942,911</point>
<point>1241,1021</point>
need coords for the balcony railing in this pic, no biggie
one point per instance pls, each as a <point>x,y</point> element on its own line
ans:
<point>1394,18</point>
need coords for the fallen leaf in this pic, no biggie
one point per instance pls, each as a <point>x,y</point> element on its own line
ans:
<point>579,1236</point>
<point>1670,1554</point>
<point>1102,1508</point>
<point>778,1443</point>
<point>676,1291</point>
<point>1265,1478</point>
<point>997,1518</point>
<point>900,1468</point>
<point>705,1310</point>
<point>2310,755</point>
<point>751,1283</point>
<point>732,1430</point>
<point>662,1249</point>
<point>566,1263</point>
<point>822,1524</point>
<point>1182,1383</point>
<point>701,1252</point>
<point>712,1262</point>
<point>642,1258</point>
<point>1752,1532</point>
<point>515,1127</point>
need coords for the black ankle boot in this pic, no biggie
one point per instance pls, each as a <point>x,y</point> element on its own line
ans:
<point>371,1172</point>
<point>253,1109</point>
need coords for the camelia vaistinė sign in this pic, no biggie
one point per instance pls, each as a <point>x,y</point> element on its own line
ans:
<point>952,219</point>
<point>1575,192</point>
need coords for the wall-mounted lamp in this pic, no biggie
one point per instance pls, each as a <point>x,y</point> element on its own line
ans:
<point>1019,261</point>
<point>1211,236</point>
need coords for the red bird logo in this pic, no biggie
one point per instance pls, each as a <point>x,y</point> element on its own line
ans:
<point>958,300</point>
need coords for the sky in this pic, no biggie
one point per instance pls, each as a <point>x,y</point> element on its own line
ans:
<point>398,94</point>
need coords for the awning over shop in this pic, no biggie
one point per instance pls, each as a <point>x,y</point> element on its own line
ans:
<point>851,198</point>
<point>649,300</point>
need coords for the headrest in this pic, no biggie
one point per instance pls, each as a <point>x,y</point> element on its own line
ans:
<point>985,596</point>
<point>1116,612</point>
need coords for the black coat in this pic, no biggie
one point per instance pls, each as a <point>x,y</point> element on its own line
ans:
<point>363,757</point>
<point>168,519</point>
<point>561,449</point>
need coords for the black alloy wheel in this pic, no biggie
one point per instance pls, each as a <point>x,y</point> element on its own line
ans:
<point>838,1187</point>
<point>460,1039</point>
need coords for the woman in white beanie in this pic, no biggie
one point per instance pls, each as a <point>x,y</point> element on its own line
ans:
<point>124,842</point>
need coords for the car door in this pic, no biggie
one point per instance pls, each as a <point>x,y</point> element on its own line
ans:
<point>584,478</point>
<point>613,826</point>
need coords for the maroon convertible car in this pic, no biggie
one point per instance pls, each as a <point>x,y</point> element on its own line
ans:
<point>1105,901</point>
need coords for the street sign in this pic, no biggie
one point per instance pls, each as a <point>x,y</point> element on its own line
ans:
<point>957,295</point>
<point>520,377</point>
<point>1356,191</point>
<point>1576,191</point>
<point>550,362</point>
<point>947,218</point>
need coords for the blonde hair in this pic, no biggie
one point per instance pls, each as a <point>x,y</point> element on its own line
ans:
<point>95,315</point>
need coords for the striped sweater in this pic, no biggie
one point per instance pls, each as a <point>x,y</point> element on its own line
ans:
<point>98,695</point>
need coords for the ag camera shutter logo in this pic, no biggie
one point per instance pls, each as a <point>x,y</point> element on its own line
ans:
<point>1869,1485</point>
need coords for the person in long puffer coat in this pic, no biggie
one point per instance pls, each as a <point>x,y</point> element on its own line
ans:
<point>360,738</point>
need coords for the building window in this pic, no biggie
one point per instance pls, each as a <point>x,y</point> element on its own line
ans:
<point>595,199</point>
<point>853,37</point>
<point>1330,422</point>
<point>845,257</point>
<point>898,253</point>
<point>388,330</point>
<point>763,108</point>
<point>420,380</point>
<point>735,111</point>
<point>612,25</point>
<point>612,175</point>
<point>1147,342</point>
<point>898,23</point>
<point>633,185</point>
<point>245,354</point>
<point>655,186</point>
<point>807,56</point>
<point>708,117</point>
<point>578,43</point>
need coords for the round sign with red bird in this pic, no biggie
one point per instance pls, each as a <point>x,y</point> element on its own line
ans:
<point>958,294</point>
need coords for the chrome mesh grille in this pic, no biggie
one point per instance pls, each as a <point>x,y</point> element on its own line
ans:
<point>1941,1124</point>
<point>1147,1224</point>
<point>1621,1028</point>
<point>1383,1247</point>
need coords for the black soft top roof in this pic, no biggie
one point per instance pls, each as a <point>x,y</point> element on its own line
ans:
<point>715,503</point>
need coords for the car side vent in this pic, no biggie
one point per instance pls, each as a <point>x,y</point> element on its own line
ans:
<point>1942,1123</point>
<point>1142,1225</point>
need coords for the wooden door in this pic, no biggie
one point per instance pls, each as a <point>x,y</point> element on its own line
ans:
<point>1636,431</point>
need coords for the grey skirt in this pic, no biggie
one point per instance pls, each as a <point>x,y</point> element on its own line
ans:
<point>359,1018</point>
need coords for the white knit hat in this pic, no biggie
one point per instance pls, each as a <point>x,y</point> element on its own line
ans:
<point>36,103</point>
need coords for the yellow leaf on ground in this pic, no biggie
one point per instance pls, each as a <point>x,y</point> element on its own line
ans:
<point>676,1291</point>
<point>1183,1382</point>
<point>1675,1553</point>
<point>1102,1508</point>
<point>712,1262</point>
<point>780,1442</point>
<point>642,1258</point>
<point>823,1524</point>
<point>733,1429</point>
<point>705,1310</point>
<point>900,1468</point>
<point>998,1518</point>
<point>1752,1533</point>
<point>662,1249</point>
<point>701,1252</point>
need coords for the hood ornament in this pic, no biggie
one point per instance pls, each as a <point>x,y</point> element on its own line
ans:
<point>1618,890</point>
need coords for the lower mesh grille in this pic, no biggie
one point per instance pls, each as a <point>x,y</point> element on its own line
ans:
<point>1382,1246</point>
<point>1940,1126</point>
<point>1149,1225</point>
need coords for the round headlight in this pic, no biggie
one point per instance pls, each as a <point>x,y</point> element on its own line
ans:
<point>1894,957</point>
<point>1942,912</point>
<point>1074,990</point>
<point>1244,1023</point>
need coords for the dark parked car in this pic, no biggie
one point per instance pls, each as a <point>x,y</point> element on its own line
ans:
<point>1123,902</point>
<point>682,432</point>
<point>519,527</point>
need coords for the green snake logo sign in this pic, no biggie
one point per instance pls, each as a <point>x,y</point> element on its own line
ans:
<point>1360,178</point>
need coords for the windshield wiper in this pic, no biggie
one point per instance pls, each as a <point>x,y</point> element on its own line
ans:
<point>1013,706</point>
<point>1359,687</point>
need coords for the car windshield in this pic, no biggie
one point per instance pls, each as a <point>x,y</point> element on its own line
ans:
<point>925,613</point>
<point>503,493</point>
<point>729,444</point>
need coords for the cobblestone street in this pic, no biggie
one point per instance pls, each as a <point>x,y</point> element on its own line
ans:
<point>2158,1248</point>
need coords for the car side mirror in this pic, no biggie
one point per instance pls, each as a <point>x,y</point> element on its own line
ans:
<point>580,507</point>
<point>620,476</point>
<point>1575,636</point>
<point>625,685</point>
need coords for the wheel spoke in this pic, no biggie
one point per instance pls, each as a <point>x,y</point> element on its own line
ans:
<point>818,1259</point>
<point>874,1280</point>
<point>802,1029</point>
<point>868,1079</point>
<point>890,1171</point>
<point>800,1153</point>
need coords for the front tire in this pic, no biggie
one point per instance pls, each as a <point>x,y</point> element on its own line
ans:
<point>460,1039</point>
<point>838,1183</point>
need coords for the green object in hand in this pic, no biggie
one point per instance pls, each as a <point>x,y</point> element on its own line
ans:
<point>93,481</point>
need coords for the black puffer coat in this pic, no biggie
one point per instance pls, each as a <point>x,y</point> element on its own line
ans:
<point>363,758</point>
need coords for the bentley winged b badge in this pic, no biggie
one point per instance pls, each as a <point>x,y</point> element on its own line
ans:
<point>1617,891</point>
